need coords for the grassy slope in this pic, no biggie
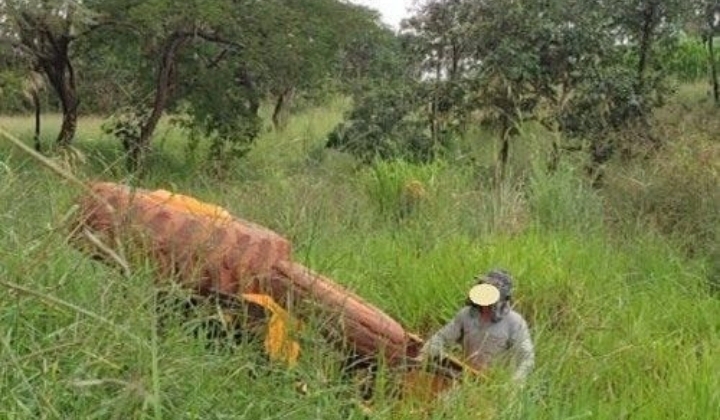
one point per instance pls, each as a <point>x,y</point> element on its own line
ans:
<point>624,325</point>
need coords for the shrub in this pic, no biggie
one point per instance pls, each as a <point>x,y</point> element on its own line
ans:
<point>675,192</point>
<point>399,188</point>
<point>688,61</point>
<point>384,124</point>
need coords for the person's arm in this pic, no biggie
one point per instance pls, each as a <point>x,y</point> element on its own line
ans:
<point>450,333</point>
<point>524,351</point>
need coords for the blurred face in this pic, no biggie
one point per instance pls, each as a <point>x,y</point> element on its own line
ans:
<point>486,312</point>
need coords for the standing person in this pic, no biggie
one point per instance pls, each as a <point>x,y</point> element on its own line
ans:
<point>488,328</point>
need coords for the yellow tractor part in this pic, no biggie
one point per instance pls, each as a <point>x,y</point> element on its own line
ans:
<point>204,248</point>
<point>279,346</point>
<point>187,204</point>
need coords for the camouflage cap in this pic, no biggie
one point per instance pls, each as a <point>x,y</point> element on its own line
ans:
<point>500,279</point>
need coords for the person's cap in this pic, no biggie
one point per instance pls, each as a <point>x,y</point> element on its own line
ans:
<point>500,279</point>
<point>484,294</point>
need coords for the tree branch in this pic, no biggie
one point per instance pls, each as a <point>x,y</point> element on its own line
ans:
<point>211,36</point>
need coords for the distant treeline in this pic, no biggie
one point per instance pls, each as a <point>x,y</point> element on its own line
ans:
<point>585,69</point>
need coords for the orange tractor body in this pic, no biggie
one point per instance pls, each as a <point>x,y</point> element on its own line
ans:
<point>205,249</point>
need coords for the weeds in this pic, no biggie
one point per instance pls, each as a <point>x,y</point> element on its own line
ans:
<point>623,319</point>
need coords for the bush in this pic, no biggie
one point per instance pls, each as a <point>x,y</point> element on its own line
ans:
<point>383,125</point>
<point>11,90</point>
<point>675,192</point>
<point>399,188</point>
<point>688,61</point>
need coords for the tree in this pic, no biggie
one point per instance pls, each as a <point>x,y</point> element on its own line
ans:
<point>308,53</point>
<point>45,31</point>
<point>514,61</point>
<point>384,124</point>
<point>214,63</point>
<point>19,79</point>
<point>583,67</point>
<point>712,30</point>
<point>702,21</point>
<point>164,32</point>
<point>369,52</point>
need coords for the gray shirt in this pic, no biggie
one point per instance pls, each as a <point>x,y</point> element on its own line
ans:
<point>483,342</point>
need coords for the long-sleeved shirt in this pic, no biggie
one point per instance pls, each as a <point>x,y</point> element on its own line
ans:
<point>484,341</point>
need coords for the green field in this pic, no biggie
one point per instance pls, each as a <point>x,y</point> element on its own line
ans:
<point>619,284</point>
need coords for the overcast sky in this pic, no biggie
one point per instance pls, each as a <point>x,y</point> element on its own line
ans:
<point>392,11</point>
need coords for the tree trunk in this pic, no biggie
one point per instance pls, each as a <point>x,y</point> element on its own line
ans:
<point>645,44</point>
<point>435,101</point>
<point>36,105</point>
<point>32,86</point>
<point>70,116</point>
<point>61,75</point>
<point>713,69</point>
<point>50,49</point>
<point>504,150</point>
<point>282,108</point>
<point>138,150</point>
<point>136,155</point>
<point>455,61</point>
<point>245,80</point>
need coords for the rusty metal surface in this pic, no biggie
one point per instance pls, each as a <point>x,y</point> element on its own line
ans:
<point>207,250</point>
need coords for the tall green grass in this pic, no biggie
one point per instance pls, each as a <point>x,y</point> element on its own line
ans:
<point>689,62</point>
<point>624,321</point>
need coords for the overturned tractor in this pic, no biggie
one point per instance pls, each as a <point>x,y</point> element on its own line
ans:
<point>206,250</point>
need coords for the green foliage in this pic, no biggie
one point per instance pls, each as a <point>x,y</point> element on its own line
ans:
<point>229,122</point>
<point>586,68</point>
<point>688,61</point>
<point>370,55</point>
<point>398,188</point>
<point>384,124</point>
<point>606,102</point>
<point>389,119</point>
<point>11,91</point>
<point>316,35</point>
<point>676,193</point>
<point>125,125</point>
<point>115,72</point>
<point>214,63</point>
<point>623,319</point>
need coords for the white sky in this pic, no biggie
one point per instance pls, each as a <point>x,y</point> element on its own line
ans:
<point>392,11</point>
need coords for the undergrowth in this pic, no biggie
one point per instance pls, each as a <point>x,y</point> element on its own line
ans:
<point>617,283</point>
